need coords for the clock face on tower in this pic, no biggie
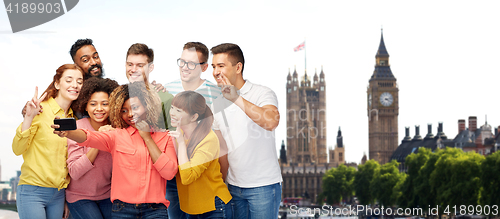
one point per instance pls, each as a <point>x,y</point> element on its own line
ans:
<point>386,99</point>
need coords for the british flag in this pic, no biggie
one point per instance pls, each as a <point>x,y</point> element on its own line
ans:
<point>300,47</point>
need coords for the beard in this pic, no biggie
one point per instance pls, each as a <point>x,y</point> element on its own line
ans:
<point>99,74</point>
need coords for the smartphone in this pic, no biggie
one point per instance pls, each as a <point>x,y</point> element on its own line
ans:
<point>65,124</point>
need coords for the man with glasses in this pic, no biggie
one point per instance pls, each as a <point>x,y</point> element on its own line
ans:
<point>192,63</point>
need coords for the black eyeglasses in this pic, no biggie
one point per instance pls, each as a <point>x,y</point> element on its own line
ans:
<point>190,65</point>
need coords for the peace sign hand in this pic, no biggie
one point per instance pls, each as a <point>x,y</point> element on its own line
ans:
<point>228,90</point>
<point>33,106</point>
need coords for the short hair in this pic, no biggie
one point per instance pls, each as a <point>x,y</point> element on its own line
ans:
<point>149,99</point>
<point>141,49</point>
<point>233,52</point>
<point>199,47</point>
<point>91,86</point>
<point>79,44</point>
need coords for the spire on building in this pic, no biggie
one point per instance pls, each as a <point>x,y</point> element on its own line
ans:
<point>382,51</point>
<point>382,68</point>
<point>283,152</point>
<point>339,139</point>
<point>315,78</point>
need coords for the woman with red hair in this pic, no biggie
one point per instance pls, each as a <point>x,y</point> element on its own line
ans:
<point>44,174</point>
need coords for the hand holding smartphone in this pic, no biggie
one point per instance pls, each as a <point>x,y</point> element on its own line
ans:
<point>65,124</point>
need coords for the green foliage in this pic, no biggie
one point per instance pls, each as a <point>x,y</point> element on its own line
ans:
<point>397,192</point>
<point>414,163</point>
<point>457,177</point>
<point>446,177</point>
<point>362,180</point>
<point>384,181</point>
<point>337,184</point>
<point>490,180</point>
<point>426,194</point>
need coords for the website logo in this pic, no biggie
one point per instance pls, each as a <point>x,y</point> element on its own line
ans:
<point>25,14</point>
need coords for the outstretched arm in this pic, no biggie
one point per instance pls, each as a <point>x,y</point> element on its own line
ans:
<point>75,135</point>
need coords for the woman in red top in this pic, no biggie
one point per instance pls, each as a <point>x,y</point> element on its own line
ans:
<point>143,157</point>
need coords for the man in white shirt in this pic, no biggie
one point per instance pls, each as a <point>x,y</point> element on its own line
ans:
<point>254,176</point>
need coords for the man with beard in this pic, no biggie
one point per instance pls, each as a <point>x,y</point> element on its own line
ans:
<point>86,57</point>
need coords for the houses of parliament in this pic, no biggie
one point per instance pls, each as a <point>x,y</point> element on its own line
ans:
<point>306,156</point>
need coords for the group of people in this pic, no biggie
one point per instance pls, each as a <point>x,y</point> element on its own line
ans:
<point>186,149</point>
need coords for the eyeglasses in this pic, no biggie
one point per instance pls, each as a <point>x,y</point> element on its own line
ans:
<point>190,65</point>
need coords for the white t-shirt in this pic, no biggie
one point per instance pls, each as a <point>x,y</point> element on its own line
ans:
<point>253,160</point>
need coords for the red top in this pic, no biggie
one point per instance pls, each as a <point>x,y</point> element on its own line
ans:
<point>135,178</point>
<point>88,181</point>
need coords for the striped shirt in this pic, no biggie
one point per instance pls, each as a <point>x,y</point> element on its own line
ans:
<point>208,90</point>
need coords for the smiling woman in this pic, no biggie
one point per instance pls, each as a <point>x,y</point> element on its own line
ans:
<point>137,147</point>
<point>90,169</point>
<point>44,174</point>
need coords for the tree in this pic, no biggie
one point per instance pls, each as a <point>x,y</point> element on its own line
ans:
<point>414,162</point>
<point>362,180</point>
<point>456,177</point>
<point>423,189</point>
<point>490,180</point>
<point>397,191</point>
<point>337,184</point>
<point>384,181</point>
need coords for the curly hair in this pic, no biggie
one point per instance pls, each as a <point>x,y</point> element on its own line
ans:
<point>91,86</point>
<point>149,99</point>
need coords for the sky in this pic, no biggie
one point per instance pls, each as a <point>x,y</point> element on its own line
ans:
<point>444,55</point>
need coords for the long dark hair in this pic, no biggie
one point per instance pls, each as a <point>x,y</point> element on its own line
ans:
<point>194,103</point>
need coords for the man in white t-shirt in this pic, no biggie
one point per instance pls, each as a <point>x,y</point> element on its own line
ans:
<point>192,63</point>
<point>254,176</point>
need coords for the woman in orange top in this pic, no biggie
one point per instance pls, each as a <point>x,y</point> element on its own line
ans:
<point>202,192</point>
<point>143,157</point>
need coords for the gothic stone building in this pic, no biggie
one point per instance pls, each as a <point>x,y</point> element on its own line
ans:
<point>305,159</point>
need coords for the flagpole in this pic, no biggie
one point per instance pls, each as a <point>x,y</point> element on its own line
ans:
<point>305,55</point>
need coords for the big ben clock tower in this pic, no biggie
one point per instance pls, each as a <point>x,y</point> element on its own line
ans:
<point>382,108</point>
